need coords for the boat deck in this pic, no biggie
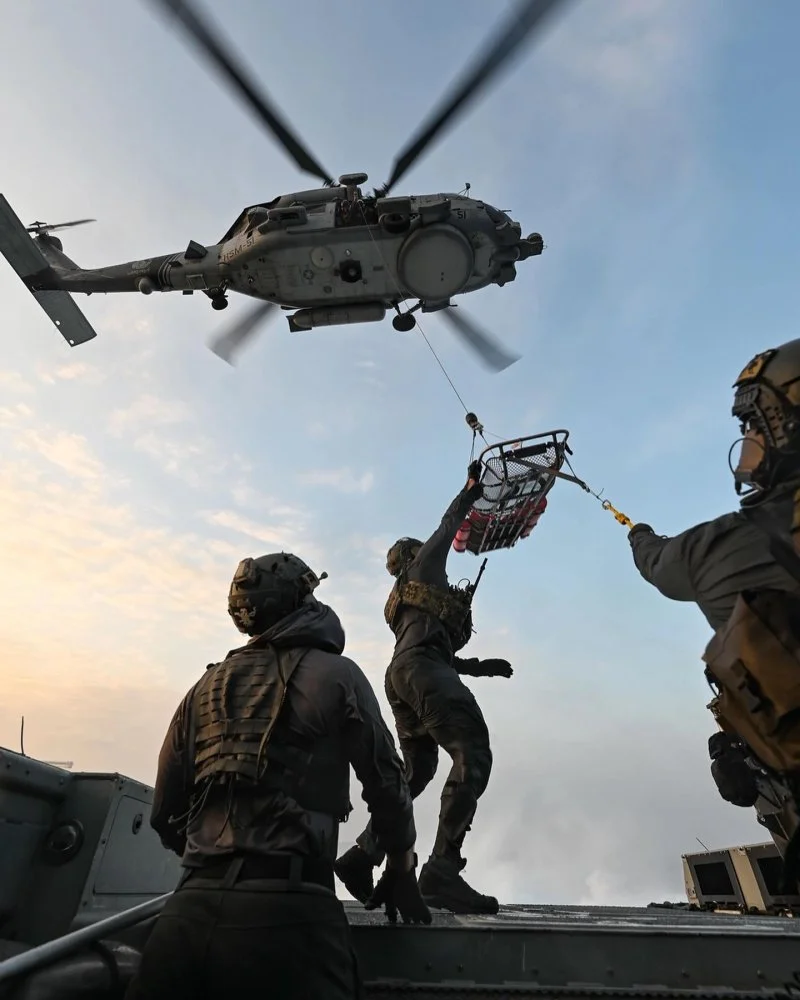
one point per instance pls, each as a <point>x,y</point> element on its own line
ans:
<point>579,951</point>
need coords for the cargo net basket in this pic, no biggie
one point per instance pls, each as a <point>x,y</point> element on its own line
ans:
<point>517,476</point>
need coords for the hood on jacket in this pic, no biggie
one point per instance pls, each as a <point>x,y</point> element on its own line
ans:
<point>314,625</point>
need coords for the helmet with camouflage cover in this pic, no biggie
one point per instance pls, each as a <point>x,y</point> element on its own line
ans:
<point>401,554</point>
<point>269,588</point>
<point>767,405</point>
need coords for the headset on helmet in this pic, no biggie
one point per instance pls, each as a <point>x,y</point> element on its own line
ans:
<point>767,406</point>
<point>269,588</point>
<point>401,554</point>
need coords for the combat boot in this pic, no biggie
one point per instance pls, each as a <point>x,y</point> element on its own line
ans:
<point>354,869</point>
<point>442,887</point>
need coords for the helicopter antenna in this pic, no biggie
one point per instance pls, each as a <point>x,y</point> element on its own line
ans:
<point>700,842</point>
<point>22,737</point>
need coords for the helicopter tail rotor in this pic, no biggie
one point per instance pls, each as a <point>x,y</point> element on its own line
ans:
<point>40,228</point>
<point>490,352</point>
<point>228,344</point>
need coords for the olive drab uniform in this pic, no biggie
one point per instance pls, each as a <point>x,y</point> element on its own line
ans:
<point>253,780</point>
<point>433,708</point>
<point>743,572</point>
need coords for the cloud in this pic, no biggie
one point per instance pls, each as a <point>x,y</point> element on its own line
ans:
<point>148,411</point>
<point>604,803</point>
<point>113,607</point>
<point>628,53</point>
<point>343,480</point>
<point>69,452</point>
<point>89,562</point>
<point>10,415</point>
<point>245,495</point>
<point>95,553</point>
<point>187,460</point>
<point>163,430</point>
<point>14,382</point>
<point>114,718</point>
<point>620,96</point>
<point>585,808</point>
<point>75,371</point>
<point>282,536</point>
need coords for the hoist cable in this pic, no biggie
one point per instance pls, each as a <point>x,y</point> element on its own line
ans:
<point>476,426</point>
<point>399,291</point>
<point>441,365</point>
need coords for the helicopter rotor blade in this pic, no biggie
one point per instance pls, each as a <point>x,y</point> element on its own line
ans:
<point>44,227</point>
<point>528,15</point>
<point>493,355</point>
<point>228,343</point>
<point>209,41</point>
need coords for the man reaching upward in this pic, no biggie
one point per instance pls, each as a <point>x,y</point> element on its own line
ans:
<point>432,707</point>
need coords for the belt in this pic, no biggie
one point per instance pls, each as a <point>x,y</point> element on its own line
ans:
<point>265,867</point>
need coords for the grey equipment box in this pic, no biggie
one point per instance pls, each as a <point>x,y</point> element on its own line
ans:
<point>74,848</point>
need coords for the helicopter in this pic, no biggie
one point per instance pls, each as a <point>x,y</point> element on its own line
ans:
<point>330,255</point>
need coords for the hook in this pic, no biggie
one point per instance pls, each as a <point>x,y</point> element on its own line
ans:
<point>474,424</point>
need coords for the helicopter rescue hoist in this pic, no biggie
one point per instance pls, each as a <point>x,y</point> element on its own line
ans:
<point>331,255</point>
<point>517,475</point>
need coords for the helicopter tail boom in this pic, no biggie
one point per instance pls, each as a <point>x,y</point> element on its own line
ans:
<point>31,265</point>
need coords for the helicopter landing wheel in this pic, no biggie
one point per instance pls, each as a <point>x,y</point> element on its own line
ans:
<point>219,302</point>
<point>404,322</point>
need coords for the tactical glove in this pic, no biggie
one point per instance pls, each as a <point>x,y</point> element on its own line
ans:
<point>734,778</point>
<point>735,781</point>
<point>496,668</point>
<point>474,470</point>
<point>398,891</point>
<point>639,528</point>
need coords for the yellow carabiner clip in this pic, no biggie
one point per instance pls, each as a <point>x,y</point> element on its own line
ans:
<point>618,515</point>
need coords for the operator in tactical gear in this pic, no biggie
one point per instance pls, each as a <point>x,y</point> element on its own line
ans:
<point>253,781</point>
<point>433,708</point>
<point>742,572</point>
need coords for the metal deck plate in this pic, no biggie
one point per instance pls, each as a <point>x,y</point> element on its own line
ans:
<point>578,951</point>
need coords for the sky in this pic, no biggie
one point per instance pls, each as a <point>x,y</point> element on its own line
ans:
<point>649,141</point>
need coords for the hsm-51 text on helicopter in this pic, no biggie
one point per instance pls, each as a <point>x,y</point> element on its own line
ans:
<point>332,254</point>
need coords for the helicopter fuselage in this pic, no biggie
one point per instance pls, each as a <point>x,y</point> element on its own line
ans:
<point>326,248</point>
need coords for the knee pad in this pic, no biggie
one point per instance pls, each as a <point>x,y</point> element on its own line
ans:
<point>472,768</point>
<point>420,770</point>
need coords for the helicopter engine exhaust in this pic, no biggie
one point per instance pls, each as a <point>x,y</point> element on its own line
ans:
<point>363,312</point>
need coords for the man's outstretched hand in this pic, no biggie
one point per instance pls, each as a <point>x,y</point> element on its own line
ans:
<point>398,892</point>
<point>496,668</point>
<point>474,471</point>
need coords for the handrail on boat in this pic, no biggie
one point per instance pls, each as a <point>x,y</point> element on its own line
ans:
<point>60,947</point>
